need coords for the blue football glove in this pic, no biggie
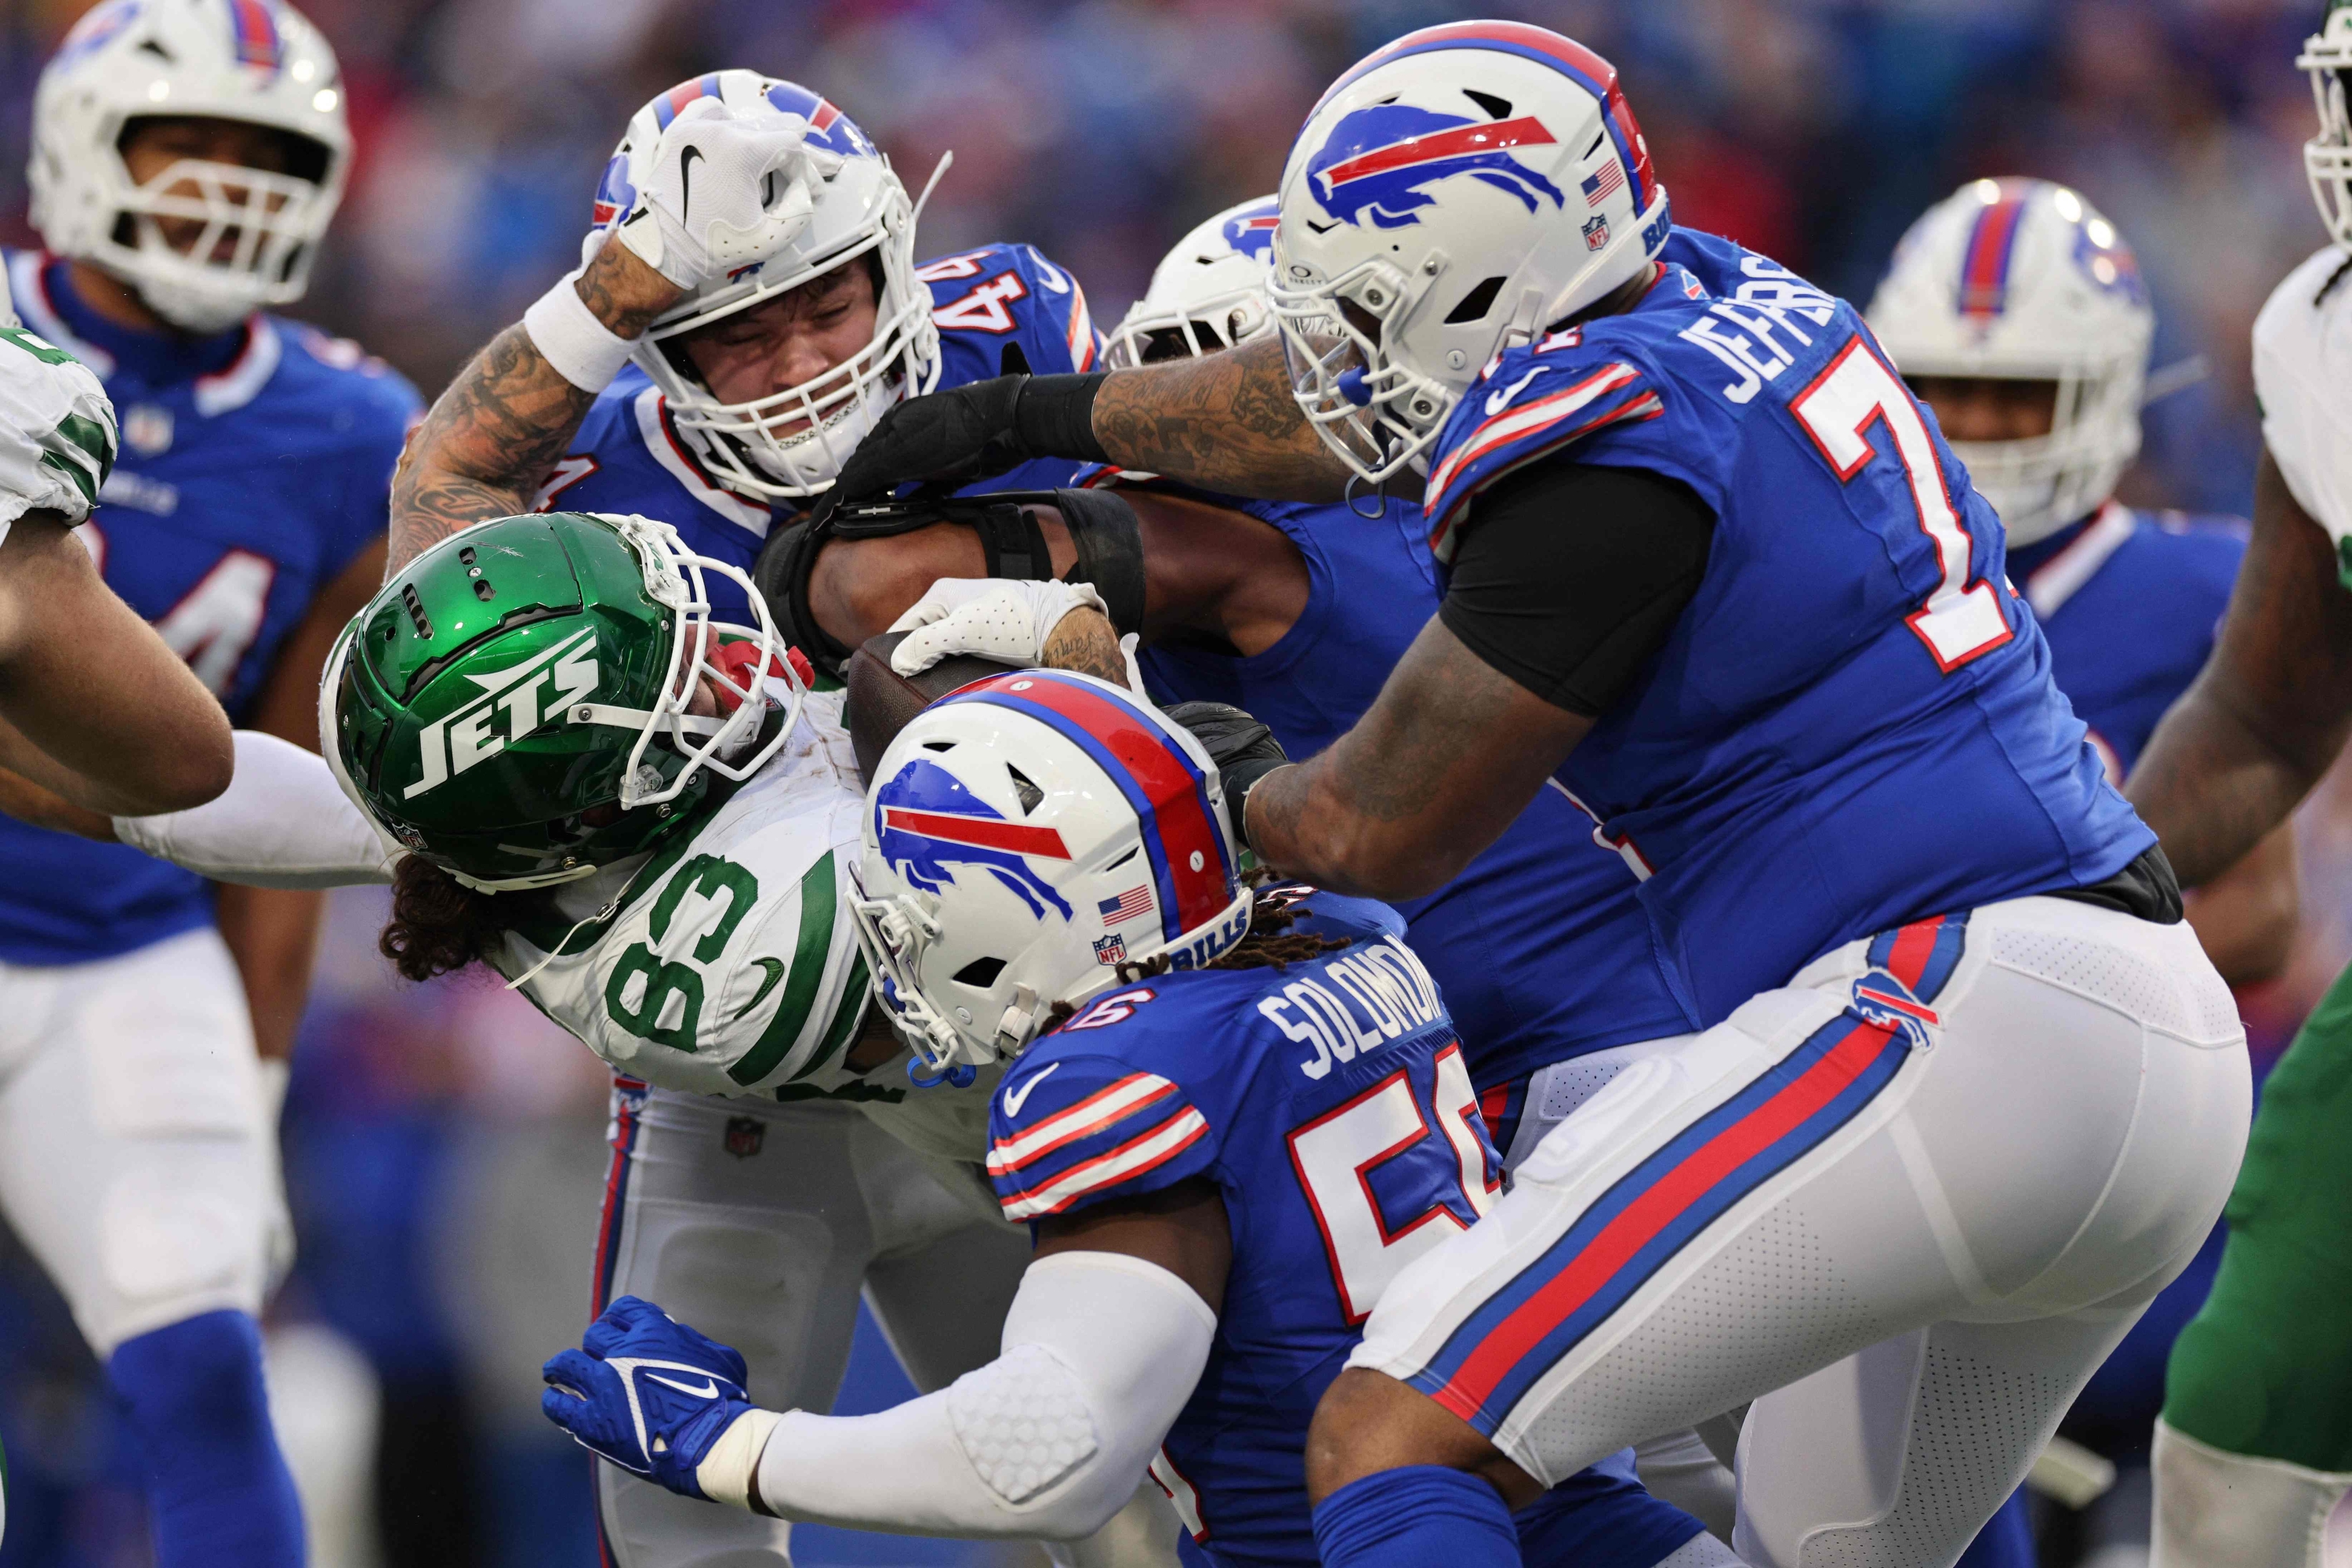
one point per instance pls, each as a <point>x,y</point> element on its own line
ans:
<point>648,1393</point>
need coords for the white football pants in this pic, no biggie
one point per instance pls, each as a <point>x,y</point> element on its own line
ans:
<point>133,1158</point>
<point>760,1224</point>
<point>1911,1201</point>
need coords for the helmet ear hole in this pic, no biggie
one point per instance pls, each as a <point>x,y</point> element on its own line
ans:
<point>1475,304</point>
<point>980,974</point>
<point>1029,793</point>
<point>1496,108</point>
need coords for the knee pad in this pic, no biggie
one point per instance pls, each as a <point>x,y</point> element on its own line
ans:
<point>217,1486</point>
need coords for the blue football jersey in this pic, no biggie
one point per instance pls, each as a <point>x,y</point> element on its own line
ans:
<point>1853,722</point>
<point>2130,602</point>
<point>1330,1104</point>
<point>254,468</point>
<point>999,309</point>
<point>1494,935</point>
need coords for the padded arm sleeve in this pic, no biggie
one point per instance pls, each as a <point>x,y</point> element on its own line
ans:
<point>281,823</point>
<point>1568,576</point>
<point>1049,1440</point>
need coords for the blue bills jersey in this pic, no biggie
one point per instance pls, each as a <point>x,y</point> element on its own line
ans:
<point>254,468</point>
<point>1494,936</point>
<point>1852,724</point>
<point>2130,602</point>
<point>1330,1105</point>
<point>1000,308</point>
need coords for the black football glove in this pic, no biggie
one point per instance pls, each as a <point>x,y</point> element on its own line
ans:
<point>981,428</point>
<point>1243,750</point>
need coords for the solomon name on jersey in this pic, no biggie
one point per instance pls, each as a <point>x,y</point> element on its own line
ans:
<point>2130,602</point>
<point>999,309</point>
<point>728,963</point>
<point>2302,358</point>
<point>1852,724</point>
<point>1329,1104</point>
<point>1548,885</point>
<point>254,468</point>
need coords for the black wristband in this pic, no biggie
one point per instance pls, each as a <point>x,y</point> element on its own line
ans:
<point>1055,416</point>
<point>1240,777</point>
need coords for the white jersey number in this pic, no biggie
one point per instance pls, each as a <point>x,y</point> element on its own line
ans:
<point>215,624</point>
<point>1336,1153</point>
<point>1959,621</point>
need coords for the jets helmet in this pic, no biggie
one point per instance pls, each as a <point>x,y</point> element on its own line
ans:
<point>792,442</point>
<point>259,62</point>
<point>1206,294</point>
<point>1454,194</point>
<point>2023,280</point>
<point>514,705</point>
<point>1024,838</point>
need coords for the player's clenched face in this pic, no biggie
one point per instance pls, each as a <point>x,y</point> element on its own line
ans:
<point>1989,408</point>
<point>786,341</point>
<point>151,144</point>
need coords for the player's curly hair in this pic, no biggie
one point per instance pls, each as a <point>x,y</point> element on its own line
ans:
<point>1271,944</point>
<point>439,924</point>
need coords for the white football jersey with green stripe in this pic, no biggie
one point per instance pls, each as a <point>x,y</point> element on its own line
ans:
<point>57,429</point>
<point>731,964</point>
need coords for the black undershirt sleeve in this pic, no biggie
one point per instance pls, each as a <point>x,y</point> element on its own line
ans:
<point>1570,575</point>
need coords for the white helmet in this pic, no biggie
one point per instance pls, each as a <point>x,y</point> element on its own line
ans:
<point>253,60</point>
<point>2023,280</point>
<point>1208,293</point>
<point>1026,837</point>
<point>2328,157</point>
<point>1463,189</point>
<point>794,442</point>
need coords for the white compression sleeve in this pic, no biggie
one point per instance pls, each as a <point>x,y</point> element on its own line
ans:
<point>1101,1351</point>
<point>281,823</point>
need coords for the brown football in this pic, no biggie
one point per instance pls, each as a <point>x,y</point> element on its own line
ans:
<point>881,700</point>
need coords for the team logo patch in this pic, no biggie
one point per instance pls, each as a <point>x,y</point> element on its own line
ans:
<point>1379,161</point>
<point>745,1134</point>
<point>927,824</point>
<point>1596,232</point>
<point>514,699</point>
<point>1879,998</point>
<point>1111,949</point>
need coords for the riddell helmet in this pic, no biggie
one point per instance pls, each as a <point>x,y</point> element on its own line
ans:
<point>512,706</point>
<point>1454,193</point>
<point>1024,838</point>
<point>2328,157</point>
<point>1208,293</point>
<point>794,442</point>
<point>252,60</point>
<point>2022,280</point>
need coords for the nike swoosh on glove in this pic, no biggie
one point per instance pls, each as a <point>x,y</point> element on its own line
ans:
<point>993,617</point>
<point>660,1400</point>
<point>1244,749</point>
<point>728,189</point>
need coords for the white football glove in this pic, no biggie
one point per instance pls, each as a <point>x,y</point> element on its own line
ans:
<point>992,617</point>
<point>727,191</point>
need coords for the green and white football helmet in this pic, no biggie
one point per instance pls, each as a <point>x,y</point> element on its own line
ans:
<point>513,706</point>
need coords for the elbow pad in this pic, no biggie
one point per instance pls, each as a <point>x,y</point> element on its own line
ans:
<point>283,822</point>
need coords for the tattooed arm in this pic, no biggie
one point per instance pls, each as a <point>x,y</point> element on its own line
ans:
<point>491,439</point>
<point>2273,706</point>
<point>1224,421</point>
<point>1446,758</point>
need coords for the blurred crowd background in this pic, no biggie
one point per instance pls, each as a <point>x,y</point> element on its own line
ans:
<point>445,1144</point>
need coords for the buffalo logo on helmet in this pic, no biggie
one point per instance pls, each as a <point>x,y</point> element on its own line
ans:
<point>1251,233</point>
<point>927,824</point>
<point>1377,161</point>
<point>829,128</point>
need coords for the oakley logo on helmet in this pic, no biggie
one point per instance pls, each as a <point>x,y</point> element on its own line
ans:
<point>927,824</point>
<point>449,746</point>
<point>1378,159</point>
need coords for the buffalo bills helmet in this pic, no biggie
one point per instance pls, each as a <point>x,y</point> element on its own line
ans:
<point>792,442</point>
<point>1206,294</point>
<point>256,61</point>
<point>1024,836</point>
<point>2023,280</point>
<point>1454,194</point>
<point>2328,157</point>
